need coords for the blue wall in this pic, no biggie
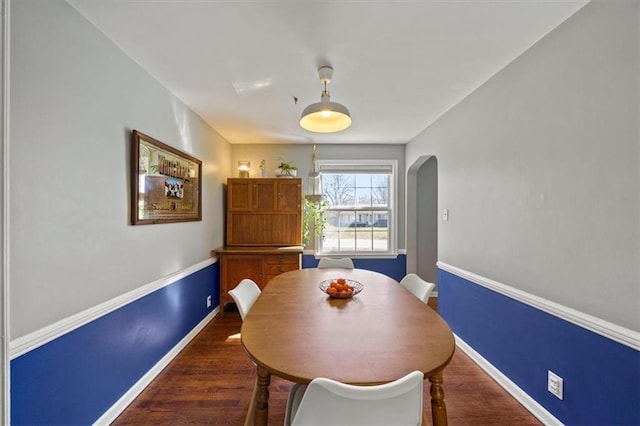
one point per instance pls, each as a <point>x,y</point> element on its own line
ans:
<point>394,268</point>
<point>601,377</point>
<point>76,378</point>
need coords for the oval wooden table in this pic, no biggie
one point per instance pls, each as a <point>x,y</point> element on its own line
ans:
<point>295,331</point>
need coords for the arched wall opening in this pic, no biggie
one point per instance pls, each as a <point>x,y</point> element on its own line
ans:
<point>422,218</point>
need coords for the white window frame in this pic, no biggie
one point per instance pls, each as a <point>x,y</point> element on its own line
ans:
<point>354,166</point>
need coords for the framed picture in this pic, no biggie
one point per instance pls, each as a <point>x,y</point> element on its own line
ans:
<point>166,184</point>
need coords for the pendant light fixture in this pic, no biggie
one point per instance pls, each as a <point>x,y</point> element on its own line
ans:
<point>325,116</point>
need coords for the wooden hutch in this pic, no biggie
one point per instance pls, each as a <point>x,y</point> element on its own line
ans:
<point>263,231</point>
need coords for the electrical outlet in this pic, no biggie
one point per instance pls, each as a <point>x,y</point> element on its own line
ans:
<point>209,301</point>
<point>555,384</point>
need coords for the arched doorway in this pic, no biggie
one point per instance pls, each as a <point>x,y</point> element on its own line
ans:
<point>422,218</point>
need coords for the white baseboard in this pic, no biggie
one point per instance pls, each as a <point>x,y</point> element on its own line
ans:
<point>116,409</point>
<point>521,396</point>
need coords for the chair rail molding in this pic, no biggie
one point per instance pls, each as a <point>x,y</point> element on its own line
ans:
<point>599,326</point>
<point>31,341</point>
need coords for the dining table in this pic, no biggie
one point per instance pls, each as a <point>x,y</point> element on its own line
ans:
<point>296,331</point>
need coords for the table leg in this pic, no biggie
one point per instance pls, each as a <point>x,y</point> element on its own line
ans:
<point>438,409</point>
<point>249,420</point>
<point>262,397</point>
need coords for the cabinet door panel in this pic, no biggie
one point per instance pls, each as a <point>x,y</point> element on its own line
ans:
<point>264,195</point>
<point>243,266</point>
<point>234,268</point>
<point>289,195</point>
<point>248,229</point>
<point>239,195</point>
<point>285,229</point>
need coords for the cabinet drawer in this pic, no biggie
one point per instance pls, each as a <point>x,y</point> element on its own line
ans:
<point>278,268</point>
<point>293,259</point>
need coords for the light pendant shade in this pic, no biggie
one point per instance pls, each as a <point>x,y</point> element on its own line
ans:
<point>325,116</point>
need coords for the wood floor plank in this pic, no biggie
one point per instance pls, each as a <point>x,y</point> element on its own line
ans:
<point>211,381</point>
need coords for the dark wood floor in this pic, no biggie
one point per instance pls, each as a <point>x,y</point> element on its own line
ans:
<point>211,380</point>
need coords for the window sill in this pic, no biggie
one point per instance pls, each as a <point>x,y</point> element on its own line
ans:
<point>353,255</point>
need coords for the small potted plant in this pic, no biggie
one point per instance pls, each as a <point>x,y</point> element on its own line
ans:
<point>286,168</point>
<point>263,169</point>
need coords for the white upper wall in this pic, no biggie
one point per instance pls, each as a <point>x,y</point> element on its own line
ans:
<point>75,98</point>
<point>539,168</point>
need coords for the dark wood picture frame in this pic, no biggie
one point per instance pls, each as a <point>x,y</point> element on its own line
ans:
<point>166,184</point>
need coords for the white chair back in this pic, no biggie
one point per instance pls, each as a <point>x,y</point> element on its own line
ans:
<point>245,294</point>
<point>419,287</point>
<point>327,262</point>
<point>329,402</point>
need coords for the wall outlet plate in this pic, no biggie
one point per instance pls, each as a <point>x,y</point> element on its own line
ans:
<point>555,384</point>
<point>209,301</point>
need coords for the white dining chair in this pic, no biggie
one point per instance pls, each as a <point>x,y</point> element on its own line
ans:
<point>419,287</point>
<point>343,262</point>
<point>245,294</point>
<point>328,402</point>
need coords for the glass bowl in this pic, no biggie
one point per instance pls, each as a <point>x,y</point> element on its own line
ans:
<point>353,287</point>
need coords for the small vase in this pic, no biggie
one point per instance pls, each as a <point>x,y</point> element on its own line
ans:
<point>265,174</point>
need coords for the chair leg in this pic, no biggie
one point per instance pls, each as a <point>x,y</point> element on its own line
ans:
<point>251,412</point>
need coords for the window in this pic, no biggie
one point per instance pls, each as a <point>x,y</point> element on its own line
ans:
<point>360,207</point>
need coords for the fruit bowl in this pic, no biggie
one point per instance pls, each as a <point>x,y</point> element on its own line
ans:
<point>341,288</point>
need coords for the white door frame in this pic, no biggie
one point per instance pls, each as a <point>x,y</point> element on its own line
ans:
<point>4,212</point>
<point>411,197</point>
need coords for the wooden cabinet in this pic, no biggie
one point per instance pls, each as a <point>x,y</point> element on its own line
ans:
<point>261,265</point>
<point>264,212</point>
<point>263,216</point>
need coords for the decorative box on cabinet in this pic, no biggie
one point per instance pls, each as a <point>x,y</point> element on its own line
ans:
<point>259,264</point>
<point>264,212</point>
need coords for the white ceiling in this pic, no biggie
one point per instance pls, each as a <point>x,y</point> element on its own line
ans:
<point>399,65</point>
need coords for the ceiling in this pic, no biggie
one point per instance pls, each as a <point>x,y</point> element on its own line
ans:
<point>398,65</point>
